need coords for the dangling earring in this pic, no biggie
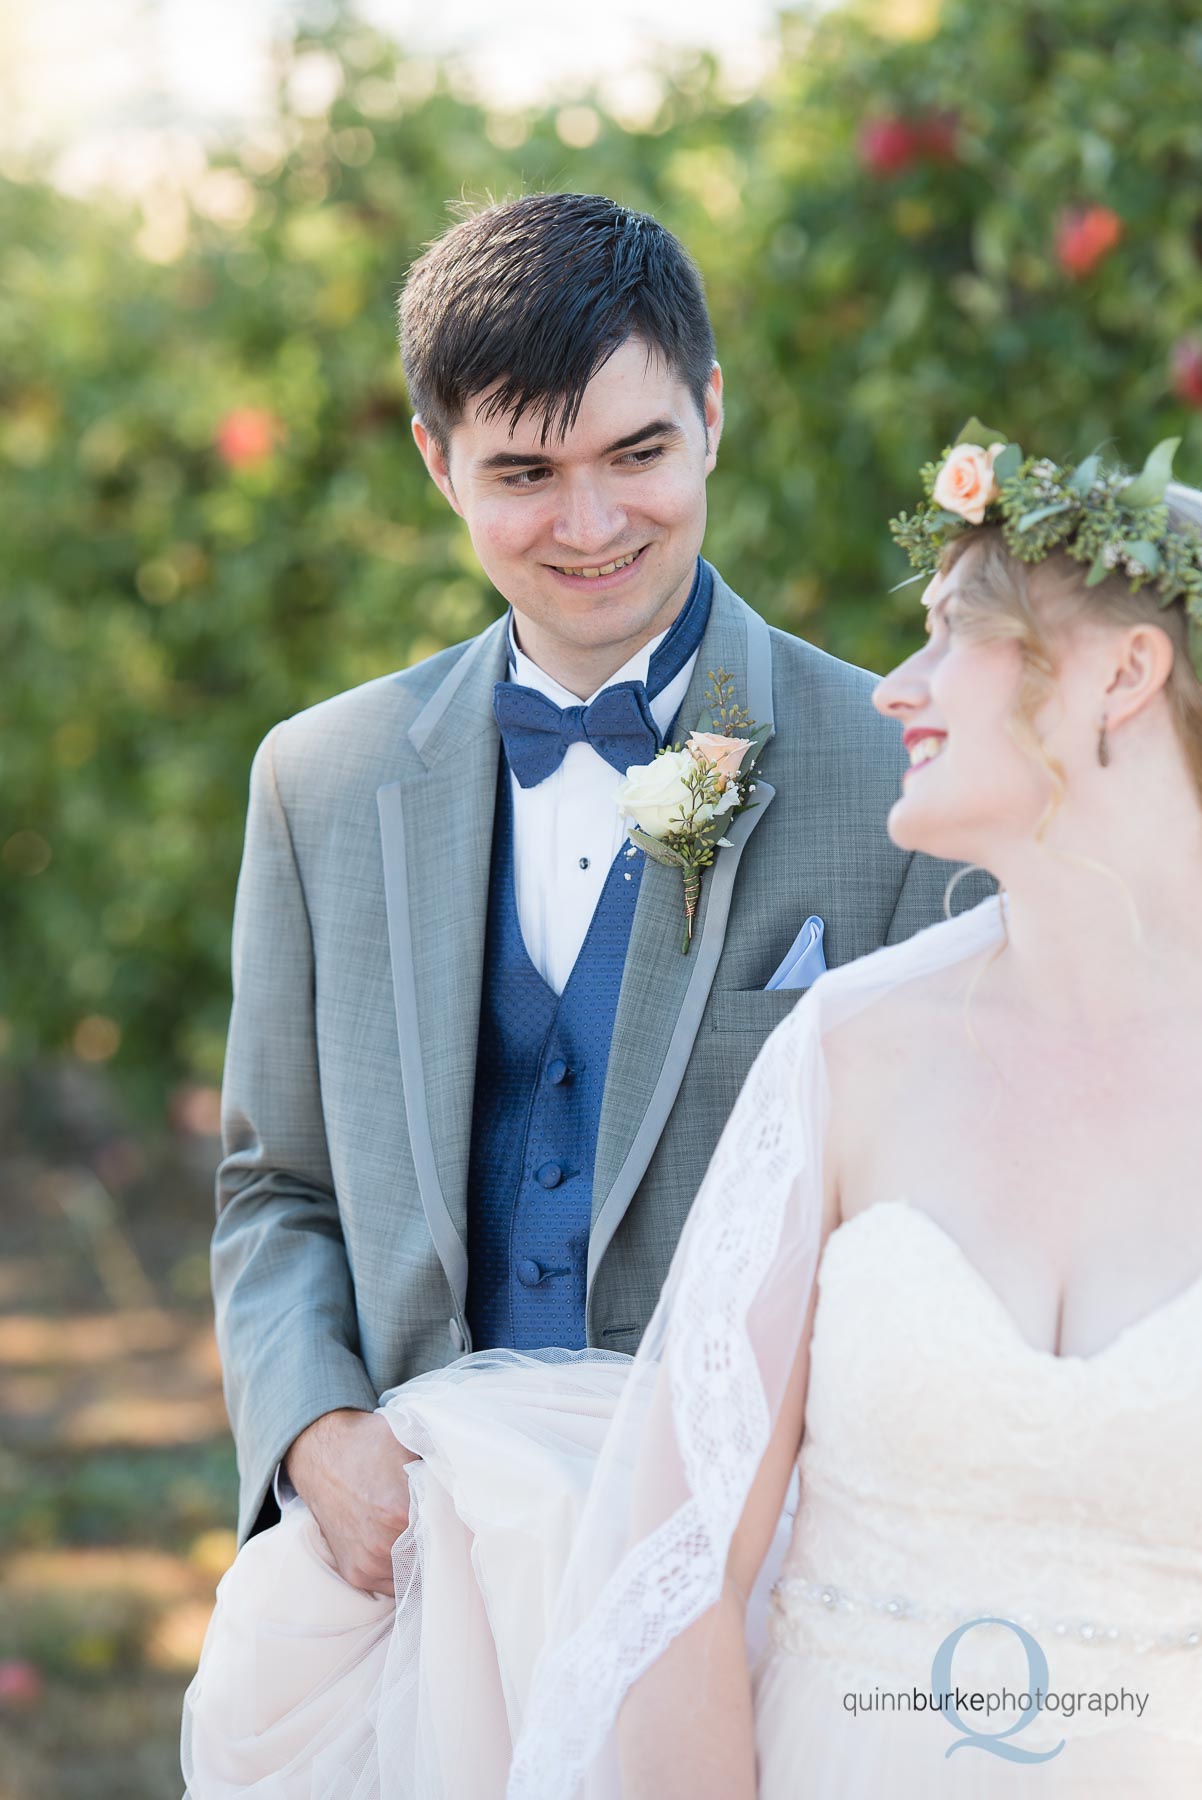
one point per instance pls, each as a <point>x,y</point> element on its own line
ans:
<point>1104,745</point>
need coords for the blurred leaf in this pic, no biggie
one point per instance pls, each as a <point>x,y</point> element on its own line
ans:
<point>1008,463</point>
<point>1149,485</point>
<point>983,435</point>
<point>1040,513</point>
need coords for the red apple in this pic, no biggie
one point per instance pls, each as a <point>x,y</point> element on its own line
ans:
<point>1084,235</point>
<point>246,436</point>
<point>888,146</point>
<point>891,145</point>
<point>1185,365</point>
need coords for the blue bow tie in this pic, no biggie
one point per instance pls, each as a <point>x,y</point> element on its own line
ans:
<point>536,732</point>
<point>618,723</point>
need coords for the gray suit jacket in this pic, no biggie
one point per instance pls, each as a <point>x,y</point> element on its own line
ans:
<point>339,1255</point>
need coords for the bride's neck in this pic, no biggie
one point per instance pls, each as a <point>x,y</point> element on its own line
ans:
<point>1106,923</point>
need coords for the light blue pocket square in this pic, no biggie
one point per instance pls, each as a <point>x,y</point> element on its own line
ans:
<point>805,961</point>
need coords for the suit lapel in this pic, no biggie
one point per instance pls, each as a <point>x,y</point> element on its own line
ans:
<point>436,827</point>
<point>663,993</point>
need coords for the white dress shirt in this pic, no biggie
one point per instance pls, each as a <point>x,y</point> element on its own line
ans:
<point>567,830</point>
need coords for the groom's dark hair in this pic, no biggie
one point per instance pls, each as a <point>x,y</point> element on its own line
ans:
<point>536,294</point>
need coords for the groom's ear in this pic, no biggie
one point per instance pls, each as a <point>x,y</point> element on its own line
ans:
<point>713,416</point>
<point>434,455</point>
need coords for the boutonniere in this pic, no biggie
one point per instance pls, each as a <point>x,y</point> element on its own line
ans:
<point>682,801</point>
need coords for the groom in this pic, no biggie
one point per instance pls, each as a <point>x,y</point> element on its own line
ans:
<point>473,1083</point>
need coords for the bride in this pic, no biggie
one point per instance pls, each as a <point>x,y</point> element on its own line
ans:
<point>947,1262</point>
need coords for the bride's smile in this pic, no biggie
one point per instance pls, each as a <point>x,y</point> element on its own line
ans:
<point>922,743</point>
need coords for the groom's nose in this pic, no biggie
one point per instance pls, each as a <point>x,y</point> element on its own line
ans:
<point>586,519</point>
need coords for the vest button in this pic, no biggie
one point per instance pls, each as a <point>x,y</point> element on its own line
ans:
<point>557,1071</point>
<point>528,1272</point>
<point>549,1176</point>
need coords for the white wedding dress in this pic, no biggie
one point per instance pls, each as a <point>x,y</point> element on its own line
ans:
<point>972,1476</point>
<point>949,1473</point>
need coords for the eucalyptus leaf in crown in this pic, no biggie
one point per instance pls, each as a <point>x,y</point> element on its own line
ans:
<point>1097,513</point>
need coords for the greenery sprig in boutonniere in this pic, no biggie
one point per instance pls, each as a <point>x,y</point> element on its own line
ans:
<point>681,802</point>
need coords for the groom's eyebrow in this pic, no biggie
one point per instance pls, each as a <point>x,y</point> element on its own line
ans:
<point>529,459</point>
<point>659,428</point>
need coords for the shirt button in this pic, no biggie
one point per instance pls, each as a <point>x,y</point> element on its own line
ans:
<point>584,862</point>
<point>549,1176</point>
<point>557,1071</point>
<point>528,1272</point>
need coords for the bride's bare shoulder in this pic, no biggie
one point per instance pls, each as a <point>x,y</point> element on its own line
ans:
<point>897,1023</point>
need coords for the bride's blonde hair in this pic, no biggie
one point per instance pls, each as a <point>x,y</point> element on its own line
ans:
<point>1032,604</point>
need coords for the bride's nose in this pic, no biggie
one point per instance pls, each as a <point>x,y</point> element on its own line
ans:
<point>903,690</point>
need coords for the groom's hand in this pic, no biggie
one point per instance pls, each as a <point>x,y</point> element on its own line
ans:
<point>349,1470</point>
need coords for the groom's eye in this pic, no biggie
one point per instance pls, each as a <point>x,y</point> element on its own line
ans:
<point>525,478</point>
<point>641,459</point>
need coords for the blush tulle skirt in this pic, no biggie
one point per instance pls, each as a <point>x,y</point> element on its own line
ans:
<point>310,1689</point>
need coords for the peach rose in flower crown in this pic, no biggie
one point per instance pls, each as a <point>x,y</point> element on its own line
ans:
<point>723,754</point>
<point>966,484</point>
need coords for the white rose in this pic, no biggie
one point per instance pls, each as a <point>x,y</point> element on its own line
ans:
<point>656,795</point>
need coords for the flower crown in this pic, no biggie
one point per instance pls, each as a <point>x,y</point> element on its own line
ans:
<point>1115,522</point>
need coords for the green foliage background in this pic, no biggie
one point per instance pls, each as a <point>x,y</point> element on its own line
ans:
<point>161,609</point>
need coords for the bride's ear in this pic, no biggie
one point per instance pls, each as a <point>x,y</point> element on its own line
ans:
<point>1143,662</point>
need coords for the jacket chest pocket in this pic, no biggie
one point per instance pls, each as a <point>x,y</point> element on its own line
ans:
<point>751,1009</point>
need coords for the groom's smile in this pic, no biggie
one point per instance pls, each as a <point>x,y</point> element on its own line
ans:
<point>609,575</point>
<point>593,535</point>
<point>609,568</point>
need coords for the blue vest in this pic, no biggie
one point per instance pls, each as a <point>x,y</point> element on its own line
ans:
<point>540,1076</point>
<point>541,1061</point>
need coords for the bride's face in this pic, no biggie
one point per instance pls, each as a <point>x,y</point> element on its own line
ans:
<point>971,786</point>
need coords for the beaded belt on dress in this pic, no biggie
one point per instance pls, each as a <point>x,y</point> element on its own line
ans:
<point>793,1596</point>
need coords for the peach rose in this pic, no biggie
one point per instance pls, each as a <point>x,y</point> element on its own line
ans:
<point>966,483</point>
<point>723,754</point>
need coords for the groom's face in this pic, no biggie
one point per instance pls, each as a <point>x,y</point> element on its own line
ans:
<point>592,538</point>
